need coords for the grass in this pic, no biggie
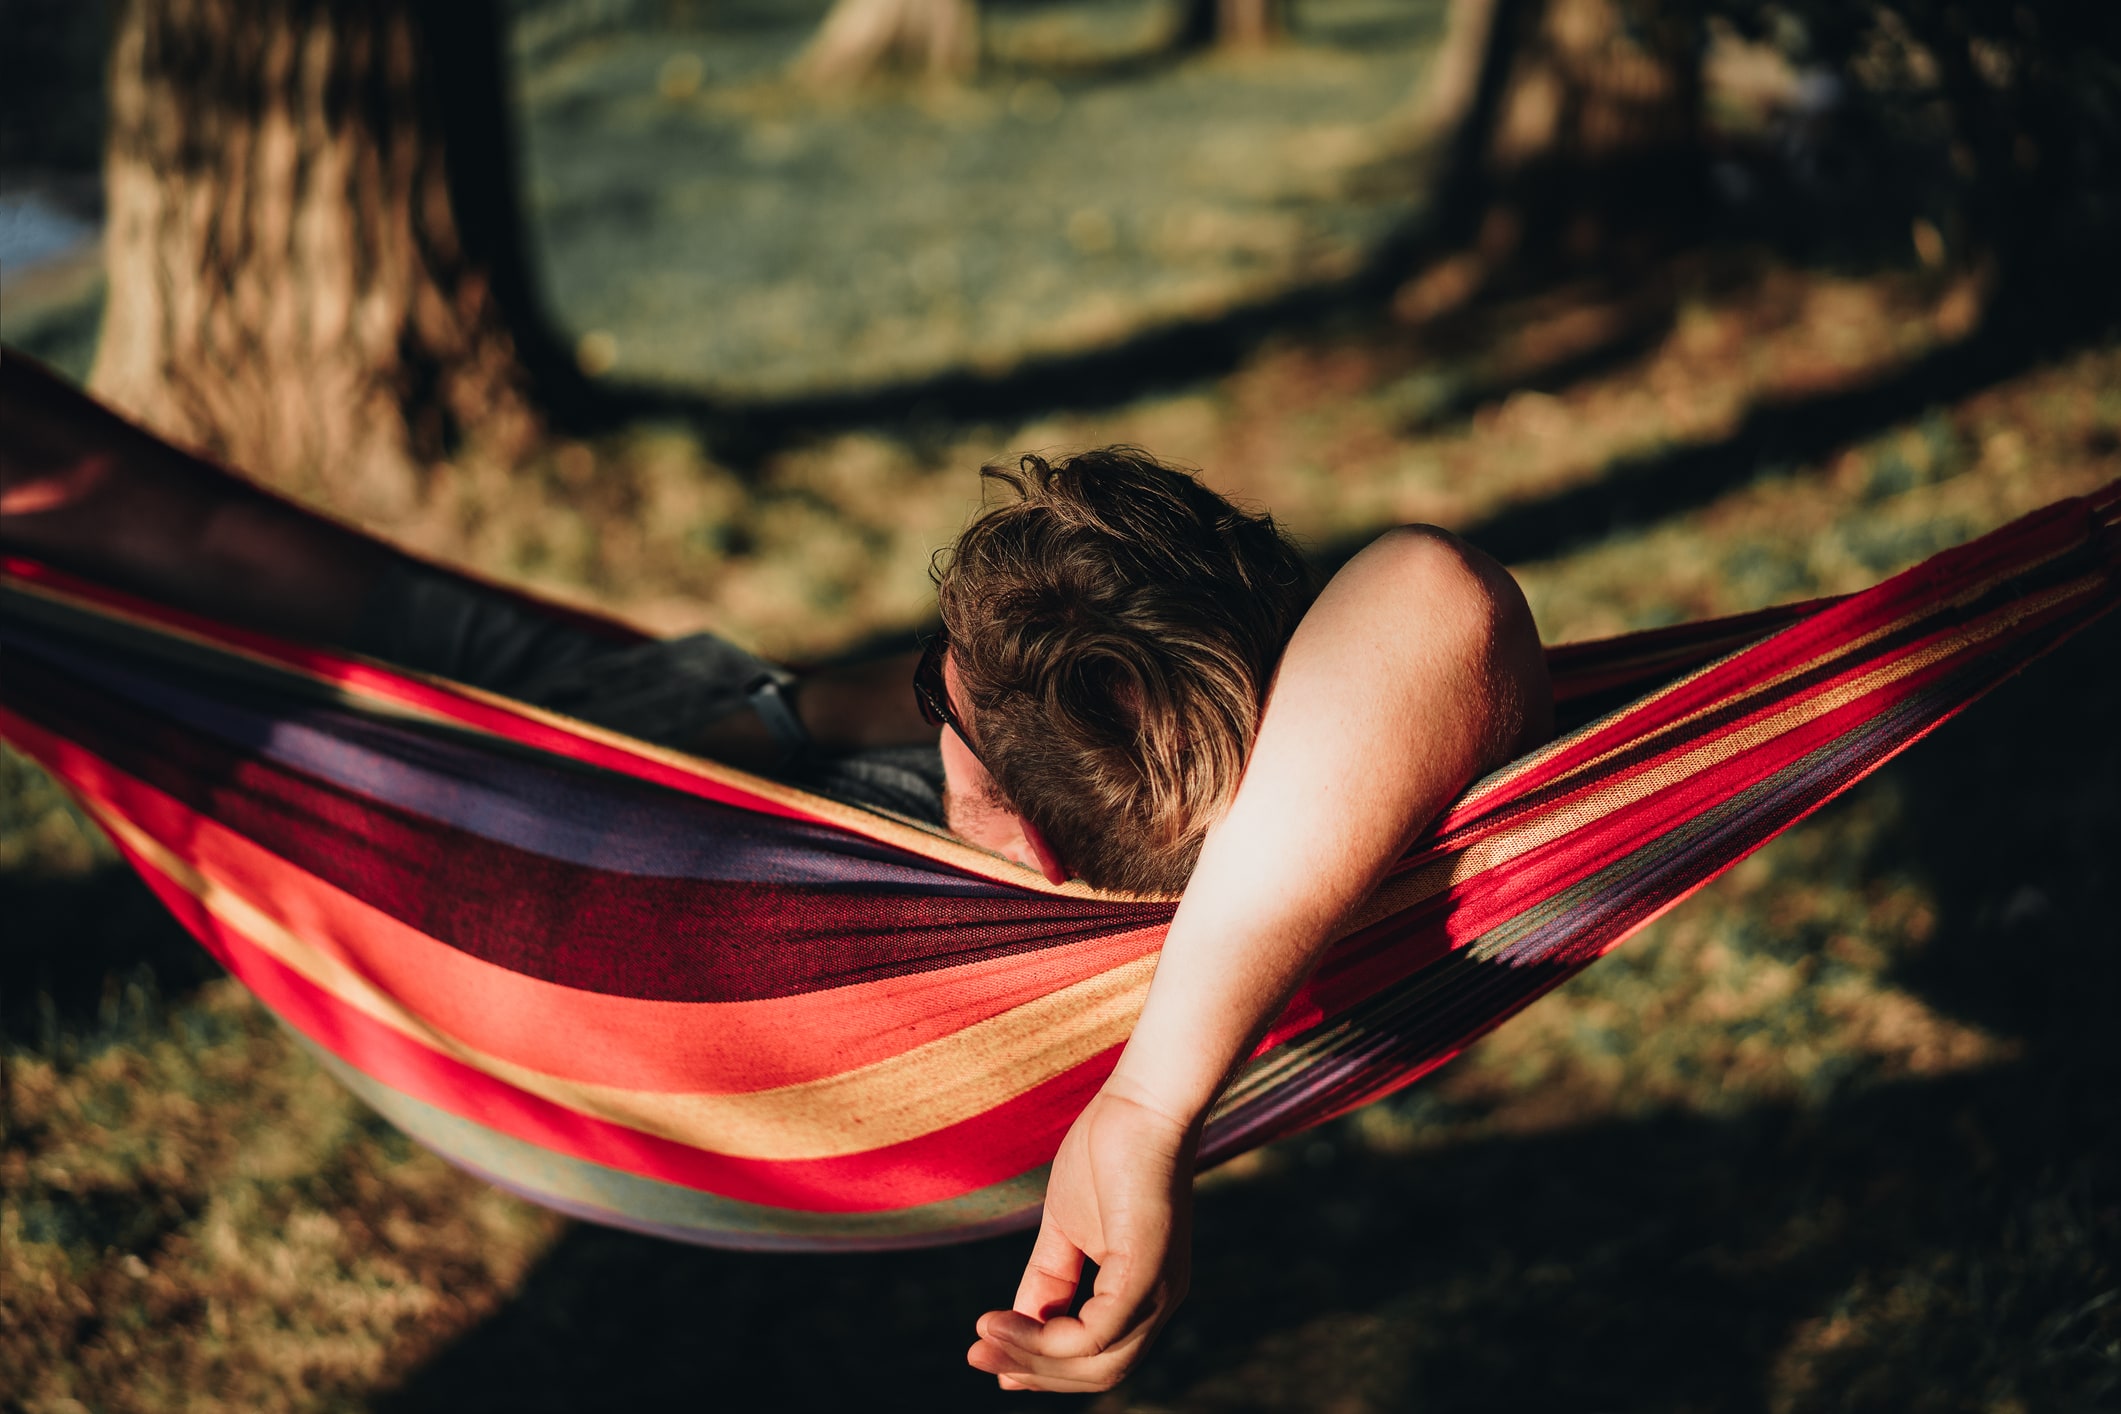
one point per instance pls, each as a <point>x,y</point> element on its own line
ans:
<point>1838,1134</point>
<point>855,240</point>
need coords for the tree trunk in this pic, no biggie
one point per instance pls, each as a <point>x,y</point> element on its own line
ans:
<point>315,268</point>
<point>936,38</point>
<point>1589,88</point>
<point>1454,78</point>
<point>1468,84</point>
<point>1231,24</point>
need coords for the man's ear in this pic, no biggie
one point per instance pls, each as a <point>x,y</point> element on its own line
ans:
<point>1049,860</point>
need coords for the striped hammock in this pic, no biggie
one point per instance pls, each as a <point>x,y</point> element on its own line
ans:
<point>656,992</point>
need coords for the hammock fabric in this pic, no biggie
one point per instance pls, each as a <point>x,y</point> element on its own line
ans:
<point>652,991</point>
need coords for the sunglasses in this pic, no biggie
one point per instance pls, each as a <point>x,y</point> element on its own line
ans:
<point>932,694</point>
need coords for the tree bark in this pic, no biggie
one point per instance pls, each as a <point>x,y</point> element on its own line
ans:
<point>314,263</point>
<point>1468,84</point>
<point>1231,24</point>
<point>1588,88</point>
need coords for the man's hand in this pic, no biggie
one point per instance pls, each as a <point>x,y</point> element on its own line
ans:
<point>1120,1194</point>
<point>1418,668</point>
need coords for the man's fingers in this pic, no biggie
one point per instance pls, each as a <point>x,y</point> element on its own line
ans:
<point>1126,1297</point>
<point>1110,1317</point>
<point>1106,1323</point>
<point>1020,1369</point>
<point>1126,1301</point>
<point>1050,1277</point>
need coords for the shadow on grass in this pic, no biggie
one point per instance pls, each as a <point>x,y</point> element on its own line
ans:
<point>2014,816</point>
<point>1656,208</point>
<point>1775,437</point>
<point>76,947</point>
<point>744,433</point>
<point>1645,490</point>
<point>1938,1243</point>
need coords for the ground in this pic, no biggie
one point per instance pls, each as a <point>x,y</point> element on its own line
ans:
<point>1837,1134</point>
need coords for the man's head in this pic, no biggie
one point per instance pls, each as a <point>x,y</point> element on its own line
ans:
<point>1113,625</point>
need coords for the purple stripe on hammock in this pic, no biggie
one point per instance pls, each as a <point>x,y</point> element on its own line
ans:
<point>615,1198</point>
<point>746,1240</point>
<point>1539,949</point>
<point>624,935</point>
<point>568,813</point>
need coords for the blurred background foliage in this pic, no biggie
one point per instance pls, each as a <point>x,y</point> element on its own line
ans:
<point>703,312</point>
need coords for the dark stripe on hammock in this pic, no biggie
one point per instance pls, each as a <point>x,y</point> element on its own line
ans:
<point>543,804</point>
<point>620,934</point>
<point>1408,1028</point>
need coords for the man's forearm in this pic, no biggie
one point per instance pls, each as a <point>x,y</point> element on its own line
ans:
<point>864,705</point>
<point>1417,668</point>
<point>87,490</point>
<point>1412,674</point>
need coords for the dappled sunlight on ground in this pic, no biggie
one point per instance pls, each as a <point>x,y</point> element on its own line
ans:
<point>296,1243</point>
<point>193,1204</point>
<point>1835,1133</point>
<point>864,239</point>
<point>828,544</point>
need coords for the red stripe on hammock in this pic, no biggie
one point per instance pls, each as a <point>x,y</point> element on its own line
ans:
<point>998,1144</point>
<point>1396,948</point>
<point>713,1047</point>
<point>423,1067</point>
<point>1301,1117</point>
<point>651,938</point>
<point>2051,531</point>
<point>1591,666</point>
<point>374,681</point>
<point>1655,744</point>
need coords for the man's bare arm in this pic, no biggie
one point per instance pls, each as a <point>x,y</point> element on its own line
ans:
<point>89,491</point>
<point>1418,669</point>
<point>86,490</point>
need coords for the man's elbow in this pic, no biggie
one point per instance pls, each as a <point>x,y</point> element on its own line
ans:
<point>1458,593</point>
<point>1481,625</point>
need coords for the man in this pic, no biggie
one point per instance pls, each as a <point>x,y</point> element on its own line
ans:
<point>1135,685</point>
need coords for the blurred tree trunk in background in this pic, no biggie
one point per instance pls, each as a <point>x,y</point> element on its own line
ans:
<point>937,38</point>
<point>315,268</point>
<point>1466,86</point>
<point>1590,84</point>
<point>1453,80</point>
<point>2029,93</point>
<point>1546,112</point>
<point>1232,24</point>
<point>1994,126</point>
